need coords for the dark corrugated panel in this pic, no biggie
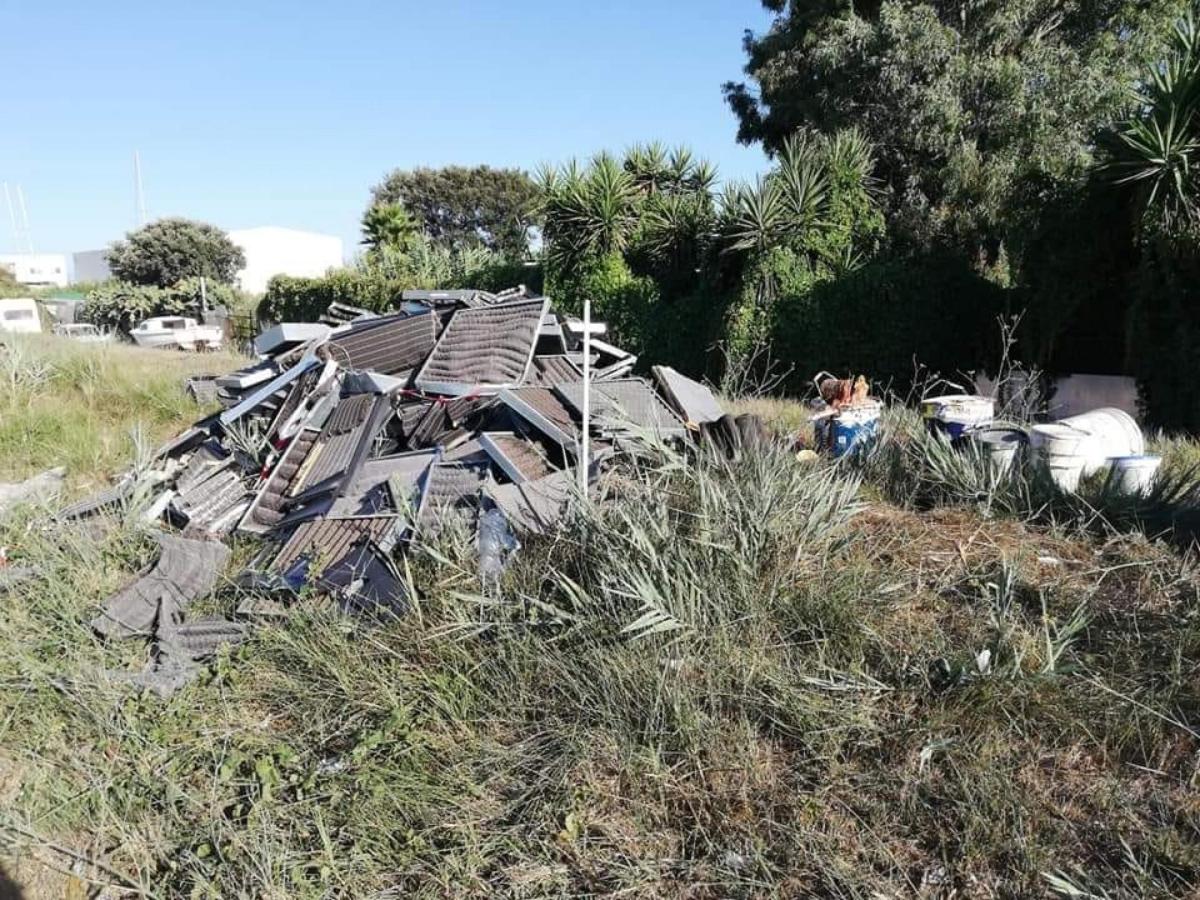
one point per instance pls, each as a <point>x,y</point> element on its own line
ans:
<point>556,369</point>
<point>391,345</point>
<point>330,539</point>
<point>520,459</point>
<point>487,347</point>
<point>444,417</point>
<point>451,486</point>
<point>544,410</point>
<point>270,506</point>
<point>371,490</point>
<point>624,402</point>
<point>342,313</point>
<point>334,451</point>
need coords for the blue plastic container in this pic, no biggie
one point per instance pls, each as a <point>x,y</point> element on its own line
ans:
<point>851,430</point>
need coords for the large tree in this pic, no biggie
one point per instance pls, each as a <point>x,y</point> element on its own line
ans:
<point>974,108</point>
<point>167,251</point>
<point>458,206</point>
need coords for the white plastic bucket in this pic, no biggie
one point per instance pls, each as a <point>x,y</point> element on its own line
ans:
<point>1111,432</point>
<point>1066,471</point>
<point>1097,436</point>
<point>1135,474</point>
<point>956,413</point>
<point>1000,445</point>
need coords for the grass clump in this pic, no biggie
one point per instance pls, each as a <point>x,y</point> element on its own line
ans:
<point>72,404</point>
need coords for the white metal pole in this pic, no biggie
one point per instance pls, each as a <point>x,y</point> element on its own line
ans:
<point>25,218</point>
<point>139,195</point>
<point>584,449</point>
<point>12,215</point>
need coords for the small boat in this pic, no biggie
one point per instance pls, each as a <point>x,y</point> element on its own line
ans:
<point>177,332</point>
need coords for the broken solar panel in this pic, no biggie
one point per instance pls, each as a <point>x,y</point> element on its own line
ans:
<point>451,486</point>
<point>389,345</point>
<point>691,399</point>
<point>624,405</point>
<point>388,484</point>
<point>519,458</point>
<point>484,349</point>
<point>343,441</point>
<point>329,540</point>
<point>555,369</point>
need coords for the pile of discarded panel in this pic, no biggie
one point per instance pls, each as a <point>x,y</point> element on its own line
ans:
<point>353,436</point>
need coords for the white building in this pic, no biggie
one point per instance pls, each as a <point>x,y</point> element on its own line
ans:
<point>269,251</point>
<point>274,251</point>
<point>91,265</point>
<point>36,269</point>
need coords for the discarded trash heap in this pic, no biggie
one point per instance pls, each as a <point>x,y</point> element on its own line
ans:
<point>352,435</point>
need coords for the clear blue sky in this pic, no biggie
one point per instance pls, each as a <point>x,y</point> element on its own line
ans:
<point>258,113</point>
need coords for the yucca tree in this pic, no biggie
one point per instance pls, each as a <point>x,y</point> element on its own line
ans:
<point>1158,150</point>
<point>781,208</point>
<point>589,212</point>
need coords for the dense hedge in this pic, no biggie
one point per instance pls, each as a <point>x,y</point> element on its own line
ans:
<point>886,318</point>
<point>294,299</point>
<point>120,306</point>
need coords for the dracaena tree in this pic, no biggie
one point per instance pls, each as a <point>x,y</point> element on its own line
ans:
<point>1156,152</point>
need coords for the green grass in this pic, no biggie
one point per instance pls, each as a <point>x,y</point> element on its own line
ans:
<point>79,405</point>
<point>750,680</point>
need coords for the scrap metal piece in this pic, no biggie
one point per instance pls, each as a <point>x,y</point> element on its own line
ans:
<point>691,399</point>
<point>451,486</point>
<point>202,388</point>
<point>612,361</point>
<point>338,314</point>
<point>343,442</point>
<point>326,541</point>
<point>99,502</point>
<point>387,345</point>
<point>211,506</point>
<point>241,380</point>
<point>519,458</point>
<point>185,569</point>
<point>545,411</point>
<point>288,336</point>
<point>624,406</point>
<point>444,417</point>
<point>556,369</point>
<point>533,506</point>
<point>387,484</point>
<point>263,395</point>
<point>270,504</point>
<point>366,581</point>
<point>484,350</point>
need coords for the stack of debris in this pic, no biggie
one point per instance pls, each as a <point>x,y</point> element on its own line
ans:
<point>351,437</point>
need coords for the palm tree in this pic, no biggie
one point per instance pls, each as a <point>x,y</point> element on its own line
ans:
<point>1157,150</point>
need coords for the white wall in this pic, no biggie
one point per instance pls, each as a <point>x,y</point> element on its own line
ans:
<point>37,268</point>
<point>283,251</point>
<point>90,265</point>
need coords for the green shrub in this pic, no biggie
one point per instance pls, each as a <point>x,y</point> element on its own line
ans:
<point>884,319</point>
<point>1165,337</point>
<point>120,306</point>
